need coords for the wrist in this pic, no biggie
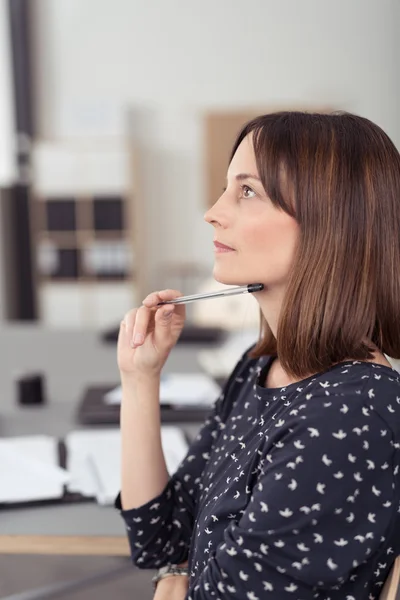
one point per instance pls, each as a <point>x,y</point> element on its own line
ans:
<point>172,574</point>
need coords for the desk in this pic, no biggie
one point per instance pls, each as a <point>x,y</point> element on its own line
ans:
<point>31,538</point>
<point>71,361</point>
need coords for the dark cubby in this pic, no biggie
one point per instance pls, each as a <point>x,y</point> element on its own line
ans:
<point>67,264</point>
<point>61,215</point>
<point>108,213</point>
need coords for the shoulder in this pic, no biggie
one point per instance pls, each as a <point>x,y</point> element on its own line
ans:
<point>356,399</point>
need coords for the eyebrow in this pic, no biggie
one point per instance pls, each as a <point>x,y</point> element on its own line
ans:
<point>242,176</point>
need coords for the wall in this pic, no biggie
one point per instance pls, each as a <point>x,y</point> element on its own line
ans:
<point>173,60</point>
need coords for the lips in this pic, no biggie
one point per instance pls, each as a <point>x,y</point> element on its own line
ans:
<point>223,246</point>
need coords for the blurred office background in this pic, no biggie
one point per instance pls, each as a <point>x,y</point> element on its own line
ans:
<point>116,118</point>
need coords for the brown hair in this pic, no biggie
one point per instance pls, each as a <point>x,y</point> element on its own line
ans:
<point>338,175</point>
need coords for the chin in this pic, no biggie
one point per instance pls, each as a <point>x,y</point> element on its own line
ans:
<point>231,279</point>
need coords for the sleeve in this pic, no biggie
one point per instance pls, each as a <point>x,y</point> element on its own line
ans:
<point>319,508</point>
<point>159,532</point>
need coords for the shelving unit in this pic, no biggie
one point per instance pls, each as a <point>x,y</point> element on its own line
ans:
<point>83,232</point>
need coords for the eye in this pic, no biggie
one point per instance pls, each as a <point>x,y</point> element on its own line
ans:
<point>247,192</point>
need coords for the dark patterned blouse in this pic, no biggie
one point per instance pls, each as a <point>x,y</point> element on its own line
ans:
<point>287,493</point>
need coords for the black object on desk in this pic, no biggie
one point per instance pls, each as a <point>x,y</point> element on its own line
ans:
<point>92,410</point>
<point>30,389</point>
<point>191,334</point>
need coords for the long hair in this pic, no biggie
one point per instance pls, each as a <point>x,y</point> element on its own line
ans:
<point>338,175</point>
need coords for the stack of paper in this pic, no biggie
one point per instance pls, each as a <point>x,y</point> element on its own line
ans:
<point>180,390</point>
<point>221,361</point>
<point>93,460</point>
<point>29,469</point>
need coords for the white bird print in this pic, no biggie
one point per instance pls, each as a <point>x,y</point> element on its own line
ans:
<point>390,408</point>
<point>318,538</point>
<point>291,465</point>
<point>279,444</point>
<point>357,476</point>
<point>264,548</point>
<point>258,567</point>
<point>228,479</point>
<point>281,570</point>
<point>264,507</point>
<point>297,444</point>
<point>252,517</point>
<point>137,519</point>
<point>280,423</point>
<point>293,485</point>
<point>221,587</point>
<point>252,596</point>
<point>325,384</point>
<point>231,589</point>
<point>387,504</point>
<point>371,517</point>
<point>278,476</point>
<point>236,496</point>
<point>279,543</point>
<point>340,542</point>
<point>286,513</point>
<point>191,457</point>
<point>350,518</point>
<point>331,564</point>
<point>206,455</point>
<point>344,409</point>
<point>313,431</point>
<point>371,464</point>
<point>359,538</point>
<point>208,531</point>
<point>268,587</point>
<point>177,523</point>
<point>305,509</point>
<point>290,588</point>
<point>214,518</point>
<point>338,475</point>
<point>340,435</point>
<point>327,461</point>
<point>297,565</point>
<point>154,520</point>
<point>242,445</point>
<point>371,394</point>
<point>321,488</point>
<point>247,552</point>
<point>137,545</point>
<point>155,506</point>
<point>316,507</point>
<point>303,548</point>
<point>248,490</point>
<point>357,430</point>
<point>231,551</point>
<point>365,411</point>
<point>243,575</point>
<point>376,491</point>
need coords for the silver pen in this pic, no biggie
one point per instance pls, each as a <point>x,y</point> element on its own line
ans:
<point>242,289</point>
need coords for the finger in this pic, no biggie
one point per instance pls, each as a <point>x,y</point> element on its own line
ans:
<point>162,296</point>
<point>162,327</point>
<point>143,315</point>
<point>129,321</point>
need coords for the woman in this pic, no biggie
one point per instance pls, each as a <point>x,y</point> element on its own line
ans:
<point>292,487</point>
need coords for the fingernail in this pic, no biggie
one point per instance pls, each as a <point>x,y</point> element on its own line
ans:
<point>138,339</point>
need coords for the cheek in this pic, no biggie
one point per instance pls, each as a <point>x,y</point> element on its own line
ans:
<point>273,238</point>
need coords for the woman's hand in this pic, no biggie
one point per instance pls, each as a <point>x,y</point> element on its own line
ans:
<point>148,333</point>
<point>172,588</point>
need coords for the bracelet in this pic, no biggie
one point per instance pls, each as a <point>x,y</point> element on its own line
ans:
<point>167,571</point>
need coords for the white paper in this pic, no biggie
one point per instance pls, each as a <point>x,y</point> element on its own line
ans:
<point>220,362</point>
<point>29,469</point>
<point>94,459</point>
<point>181,390</point>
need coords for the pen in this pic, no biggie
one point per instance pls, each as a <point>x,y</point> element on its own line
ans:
<point>242,289</point>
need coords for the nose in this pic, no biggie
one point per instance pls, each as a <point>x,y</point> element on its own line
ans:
<point>216,215</point>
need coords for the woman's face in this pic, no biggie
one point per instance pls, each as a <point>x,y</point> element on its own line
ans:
<point>263,237</point>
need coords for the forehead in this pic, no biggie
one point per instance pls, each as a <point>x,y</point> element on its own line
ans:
<point>244,160</point>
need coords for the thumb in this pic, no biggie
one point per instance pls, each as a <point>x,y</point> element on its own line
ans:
<point>163,317</point>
